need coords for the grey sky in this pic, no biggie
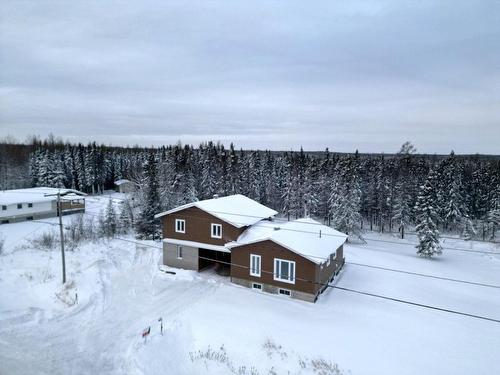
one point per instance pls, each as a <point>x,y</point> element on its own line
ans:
<point>262,74</point>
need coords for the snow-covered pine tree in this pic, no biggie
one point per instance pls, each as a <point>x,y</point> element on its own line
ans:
<point>426,216</point>
<point>147,226</point>
<point>345,199</point>
<point>402,209</point>
<point>126,218</point>
<point>110,224</point>
<point>468,231</point>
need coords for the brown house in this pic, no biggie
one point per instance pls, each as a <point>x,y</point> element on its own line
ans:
<point>296,258</point>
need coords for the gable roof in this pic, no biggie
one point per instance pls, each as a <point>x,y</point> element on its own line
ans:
<point>122,181</point>
<point>237,210</point>
<point>32,195</point>
<point>301,236</point>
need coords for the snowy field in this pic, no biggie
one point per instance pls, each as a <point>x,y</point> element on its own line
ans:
<point>212,326</point>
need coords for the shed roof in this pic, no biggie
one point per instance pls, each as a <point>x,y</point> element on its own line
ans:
<point>122,181</point>
<point>237,210</point>
<point>306,237</point>
<point>32,195</point>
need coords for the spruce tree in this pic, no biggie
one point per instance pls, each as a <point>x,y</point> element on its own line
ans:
<point>426,215</point>
<point>147,226</point>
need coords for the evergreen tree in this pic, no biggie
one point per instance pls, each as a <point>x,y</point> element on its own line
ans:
<point>428,234</point>
<point>110,220</point>
<point>345,199</point>
<point>147,226</point>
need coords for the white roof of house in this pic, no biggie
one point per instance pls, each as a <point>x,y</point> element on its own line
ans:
<point>122,181</point>
<point>301,236</point>
<point>33,195</point>
<point>236,210</point>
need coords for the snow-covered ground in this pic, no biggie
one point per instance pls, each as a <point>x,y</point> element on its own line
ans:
<point>213,326</point>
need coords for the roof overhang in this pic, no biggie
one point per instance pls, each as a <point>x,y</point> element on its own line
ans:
<point>199,245</point>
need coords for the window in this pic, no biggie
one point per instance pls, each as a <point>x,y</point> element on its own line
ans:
<point>4,208</point>
<point>5,222</point>
<point>30,205</point>
<point>284,270</point>
<point>216,230</point>
<point>19,206</point>
<point>29,218</point>
<point>179,252</point>
<point>254,265</point>
<point>284,292</point>
<point>180,226</point>
<point>334,255</point>
<point>257,286</point>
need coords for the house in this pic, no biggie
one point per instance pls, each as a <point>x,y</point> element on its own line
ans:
<point>296,258</point>
<point>124,186</point>
<point>38,203</point>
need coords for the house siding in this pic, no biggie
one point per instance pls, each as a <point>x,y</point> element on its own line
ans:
<point>305,270</point>
<point>189,259</point>
<point>198,227</point>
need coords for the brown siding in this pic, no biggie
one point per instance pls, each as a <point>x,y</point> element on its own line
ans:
<point>198,227</point>
<point>268,250</point>
<point>67,205</point>
<point>326,272</point>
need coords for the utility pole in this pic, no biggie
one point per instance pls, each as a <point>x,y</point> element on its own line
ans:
<point>61,232</point>
<point>61,229</point>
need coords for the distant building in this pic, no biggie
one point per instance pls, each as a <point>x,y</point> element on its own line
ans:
<point>37,203</point>
<point>124,186</point>
<point>292,258</point>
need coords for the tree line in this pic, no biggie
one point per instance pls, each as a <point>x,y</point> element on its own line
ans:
<point>352,192</point>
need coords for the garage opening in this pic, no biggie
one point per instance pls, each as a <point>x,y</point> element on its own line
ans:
<point>216,260</point>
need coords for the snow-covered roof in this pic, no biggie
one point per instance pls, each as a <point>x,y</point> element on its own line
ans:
<point>38,194</point>
<point>301,236</point>
<point>122,181</point>
<point>236,210</point>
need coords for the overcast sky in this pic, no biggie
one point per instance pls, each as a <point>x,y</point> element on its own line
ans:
<point>263,74</point>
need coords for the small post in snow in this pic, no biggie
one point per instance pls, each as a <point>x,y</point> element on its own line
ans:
<point>145,333</point>
<point>320,233</point>
<point>161,325</point>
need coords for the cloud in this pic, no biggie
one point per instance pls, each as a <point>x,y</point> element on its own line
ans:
<point>261,74</point>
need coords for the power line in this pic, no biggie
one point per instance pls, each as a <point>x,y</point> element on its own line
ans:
<point>347,289</point>
<point>425,275</point>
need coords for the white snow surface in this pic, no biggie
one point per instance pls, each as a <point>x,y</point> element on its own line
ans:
<point>32,195</point>
<point>237,210</point>
<point>306,237</point>
<point>214,327</point>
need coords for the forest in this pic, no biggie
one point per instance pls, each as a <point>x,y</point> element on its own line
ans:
<point>404,191</point>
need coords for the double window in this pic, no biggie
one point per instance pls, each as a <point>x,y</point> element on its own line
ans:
<point>255,265</point>
<point>284,292</point>
<point>257,286</point>
<point>179,252</point>
<point>19,206</point>
<point>216,230</point>
<point>30,205</point>
<point>284,270</point>
<point>180,226</point>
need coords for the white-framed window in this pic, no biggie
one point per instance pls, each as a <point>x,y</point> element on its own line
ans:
<point>4,208</point>
<point>19,206</point>
<point>30,205</point>
<point>284,292</point>
<point>255,265</point>
<point>180,225</point>
<point>179,252</point>
<point>284,270</point>
<point>257,286</point>
<point>216,230</point>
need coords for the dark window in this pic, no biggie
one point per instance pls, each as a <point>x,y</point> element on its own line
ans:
<point>29,218</point>
<point>257,286</point>
<point>5,221</point>
<point>30,204</point>
<point>285,292</point>
<point>19,206</point>
<point>4,208</point>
